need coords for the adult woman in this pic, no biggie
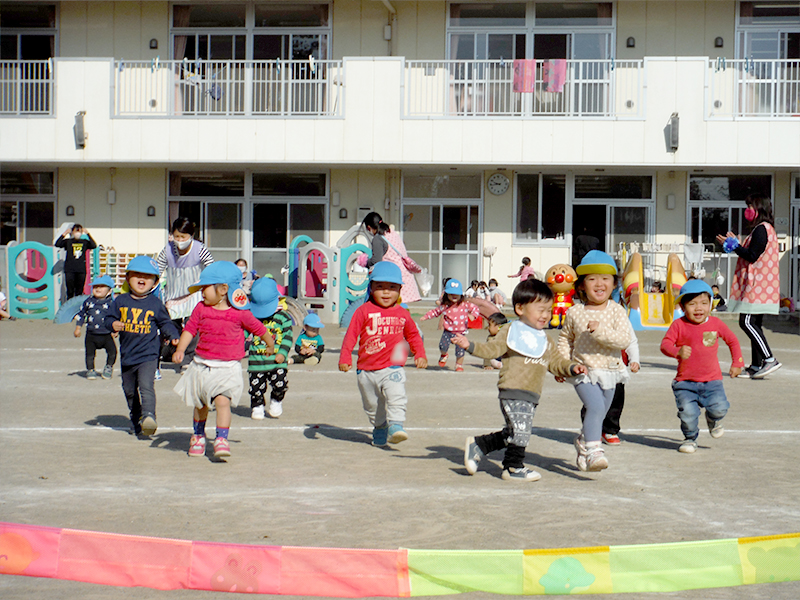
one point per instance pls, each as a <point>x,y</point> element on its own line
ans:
<point>755,289</point>
<point>388,245</point>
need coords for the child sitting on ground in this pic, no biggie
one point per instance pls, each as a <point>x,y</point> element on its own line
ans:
<point>472,290</point>
<point>380,326</point>
<point>456,313</point>
<point>309,345</point>
<point>493,324</point>
<point>263,365</point>
<point>138,316</point>
<point>527,355</point>
<point>215,374</point>
<point>93,314</point>
<point>694,340</point>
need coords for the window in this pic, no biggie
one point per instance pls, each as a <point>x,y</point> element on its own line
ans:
<point>28,31</point>
<point>280,184</point>
<point>206,184</point>
<point>769,13</point>
<point>540,208</point>
<point>614,187</point>
<point>728,188</point>
<point>27,207</point>
<point>442,186</point>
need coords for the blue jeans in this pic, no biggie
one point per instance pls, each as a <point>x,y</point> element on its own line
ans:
<point>691,396</point>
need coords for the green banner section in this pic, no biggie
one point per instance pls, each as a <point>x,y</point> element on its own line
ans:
<point>770,559</point>
<point>437,572</point>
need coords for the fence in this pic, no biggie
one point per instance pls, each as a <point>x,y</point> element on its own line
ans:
<point>753,88</point>
<point>26,87</point>
<point>550,88</point>
<point>228,88</point>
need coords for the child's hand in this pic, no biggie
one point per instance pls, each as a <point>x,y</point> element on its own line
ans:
<point>423,318</point>
<point>735,371</point>
<point>635,367</point>
<point>685,352</point>
<point>461,341</point>
<point>175,342</point>
<point>177,356</point>
<point>558,379</point>
<point>77,332</point>
<point>592,326</point>
<point>118,326</point>
<point>344,368</point>
<point>280,358</point>
<point>421,363</point>
<point>579,369</point>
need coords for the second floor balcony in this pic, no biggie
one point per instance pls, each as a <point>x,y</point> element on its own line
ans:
<point>753,88</point>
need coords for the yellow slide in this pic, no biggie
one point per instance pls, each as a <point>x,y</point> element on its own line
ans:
<point>652,310</point>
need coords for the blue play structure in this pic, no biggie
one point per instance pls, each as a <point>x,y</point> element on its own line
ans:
<point>33,287</point>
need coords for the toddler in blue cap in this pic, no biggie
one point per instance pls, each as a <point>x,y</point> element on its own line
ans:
<point>99,336</point>
<point>457,313</point>
<point>309,345</point>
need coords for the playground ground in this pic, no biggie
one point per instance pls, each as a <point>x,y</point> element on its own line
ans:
<point>310,478</point>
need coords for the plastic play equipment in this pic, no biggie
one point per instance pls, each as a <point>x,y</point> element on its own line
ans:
<point>652,310</point>
<point>33,287</point>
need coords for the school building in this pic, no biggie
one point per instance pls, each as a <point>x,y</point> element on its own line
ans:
<point>470,125</point>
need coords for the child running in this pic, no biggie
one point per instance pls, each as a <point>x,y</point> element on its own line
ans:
<point>694,340</point>
<point>527,356</point>
<point>309,345</point>
<point>456,312</point>
<point>263,365</point>
<point>93,314</point>
<point>215,374</point>
<point>138,316</point>
<point>594,334</point>
<point>380,326</point>
<point>525,270</point>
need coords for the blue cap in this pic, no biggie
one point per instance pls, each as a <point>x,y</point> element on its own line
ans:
<point>597,261</point>
<point>386,271</point>
<point>143,264</point>
<point>694,286</point>
<point>104,280</point>
<point>453,286</point>
<point>264,298</point>
<point>224,272</point>
<point>313,320</point>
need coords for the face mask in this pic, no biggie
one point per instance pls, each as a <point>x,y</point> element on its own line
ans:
<point>750,213</point>
<point>184,245</point>
<point>242,269</point>
<point>84,236</point>
<point>492,288</point>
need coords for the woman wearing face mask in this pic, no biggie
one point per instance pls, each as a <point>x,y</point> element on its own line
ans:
<point>248,277</point>
<point>755,289</point>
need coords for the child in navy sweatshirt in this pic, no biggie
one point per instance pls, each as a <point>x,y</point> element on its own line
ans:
<point>99,336</point>
<point>138,317</point>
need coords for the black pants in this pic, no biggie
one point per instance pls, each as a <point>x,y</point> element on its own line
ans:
<point>95,342</point>
<point>760,350</point>
<point>138,383</point>
<point>167,349</point>
<point>258,386</point>
<point>611,421</point>
<point>74,283</point>
<point>301,358</point>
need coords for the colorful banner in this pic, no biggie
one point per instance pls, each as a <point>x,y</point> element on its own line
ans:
<point>135,561</point>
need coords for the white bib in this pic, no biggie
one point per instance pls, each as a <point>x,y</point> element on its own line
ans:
<point>526,340</point>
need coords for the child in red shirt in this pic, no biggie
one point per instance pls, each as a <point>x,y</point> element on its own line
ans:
<point>382,326</point>
<point>693,340</point>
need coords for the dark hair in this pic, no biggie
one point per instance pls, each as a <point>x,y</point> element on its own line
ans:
<point>763,207</point>
<point>495,281</point>
<point>375,221</point>
<point>531,290</point>
<point>526,261</point>
<point>182,225</point>
<point>581,292</point>
<point>446,299</point>
<point>686,298</point>
<point>474,282</point>
<point>238,260</point>
<point>483,283</point>
<point>77,226</point>
<point>497,318</point>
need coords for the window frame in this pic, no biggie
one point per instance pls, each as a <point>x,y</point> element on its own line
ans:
<point>40,31</point>
<point>537,240</point>
<point>19,199</point>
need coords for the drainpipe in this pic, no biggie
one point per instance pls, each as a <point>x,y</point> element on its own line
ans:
<point>391,27</point>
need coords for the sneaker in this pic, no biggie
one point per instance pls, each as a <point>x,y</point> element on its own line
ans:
<point>520,474</point>
<point>222,449</point>
<point>578,443</point>
<point>275,409</point>
<point>688,447</point>
<point>380,436</point>
<point>91,374</point>
<point>158,375</point>
<point>443,360</point>
<point>596,459</point>
<point>766,369</point>
<point>715,428</point>
<point>149,425</point>
<point>396,433</point>
<point>311,360</point>
<point>258,413</point>
<point>612,439</point>
<point>108,370</point>
<point>197,445</point>
<point>459,368</point>
<point>472,455</point>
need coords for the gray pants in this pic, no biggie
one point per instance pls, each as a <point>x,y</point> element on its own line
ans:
<point>383,394</point>
<point>519,420</point>
<point>597,402</point>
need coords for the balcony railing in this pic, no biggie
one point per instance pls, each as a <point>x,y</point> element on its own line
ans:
<point>227,88</point>
<point>530,88</point>
<point>26,87</point>
<point>753,88</point>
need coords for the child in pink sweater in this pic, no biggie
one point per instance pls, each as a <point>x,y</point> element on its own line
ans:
<point>525,270</point>
<point>215,374</point>
<point>457,314</point>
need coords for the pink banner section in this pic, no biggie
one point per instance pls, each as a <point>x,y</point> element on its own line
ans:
<point>135,561</point>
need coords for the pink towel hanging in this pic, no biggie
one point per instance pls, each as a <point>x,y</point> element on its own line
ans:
<point>554,75</point>
<point>524,76</point>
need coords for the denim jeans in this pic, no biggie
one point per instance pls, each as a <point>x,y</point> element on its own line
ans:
<point>691,396</point>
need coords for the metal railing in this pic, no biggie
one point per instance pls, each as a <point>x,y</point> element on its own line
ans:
<point>753,88</point>
<point>228,88</point>
<point>540,88</point>
<point>26,87</point>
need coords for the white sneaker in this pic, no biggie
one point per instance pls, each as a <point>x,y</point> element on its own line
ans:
<point>311,360</point>
<point>596,459</point>
<point>258,413</point>
<point>275,409</point>
<point>688,447</point>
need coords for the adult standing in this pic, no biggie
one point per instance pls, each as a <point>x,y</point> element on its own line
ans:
<point>388,245</point>
<point>76,246</point>
<point>755,289</point>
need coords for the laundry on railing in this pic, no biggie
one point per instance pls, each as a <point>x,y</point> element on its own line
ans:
<point>524,76</point>
<point>554,75</point>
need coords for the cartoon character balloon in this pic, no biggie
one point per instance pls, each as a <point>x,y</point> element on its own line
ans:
<point>561,279</point>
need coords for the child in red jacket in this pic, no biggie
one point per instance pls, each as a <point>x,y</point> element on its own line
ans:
<point>382,326</point>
